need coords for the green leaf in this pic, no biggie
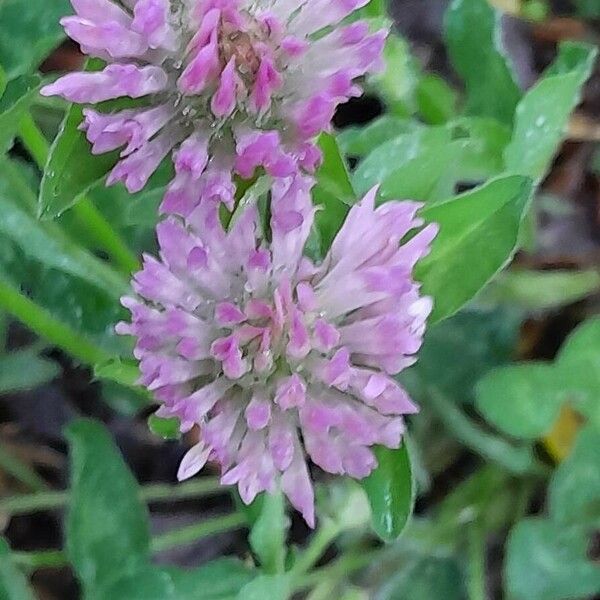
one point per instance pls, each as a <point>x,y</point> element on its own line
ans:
<point>575,486</point>
<point>266,587</point>
<point>25,370</point>
<point>333,192</point>
<point>426,579</point>
<point>13,586</point>
<point>403,151</point>
<point>436,99</point>
<point>120,371</point>
<point>579,369</point>
<point>474,41</point>
<point>50,246</point>
<point>107,524</point>
<point>220,579</point>
<point>168,429</point>
<point>268,534</point>
<point>14,102</point>
<point>522,400</point>
<point>375,8</point>
<point>3,81</point>
<point>71,169</point>
<point>547,561</point>
<point>391,491</point>
<point>359,141</point>
<point>543,113</point>
<point>397,83</point>
<point>542,290</point>
<point>482,223</point>
<point>588,8</point>
<point>29,29</point>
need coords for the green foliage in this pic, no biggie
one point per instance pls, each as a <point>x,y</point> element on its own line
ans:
<point>25,370</point>
<point>268,535</point>
<point>543,113</point>
<point>524,400</point>
<point>13,585</point>
<point>485,223</point>
<point>548,561</point>
<point>473,34</point>
<point>391,491</point>
<point>29,31</point>
<point>15,100</point>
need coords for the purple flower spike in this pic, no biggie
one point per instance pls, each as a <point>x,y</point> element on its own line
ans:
<point>275,358</point>
<point>258,79</point>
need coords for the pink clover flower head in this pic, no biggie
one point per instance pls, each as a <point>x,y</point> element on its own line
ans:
<point>276,358</point>
<point>229,85</point>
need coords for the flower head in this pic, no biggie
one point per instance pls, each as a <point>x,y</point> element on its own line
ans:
<point>229,85</point>
<point>274,357</point>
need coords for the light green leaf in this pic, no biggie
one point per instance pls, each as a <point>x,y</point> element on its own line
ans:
<point>168,429</point>
<point>14,102</point>
<point>120,371</point>
<point>397,83</point>
<point>482,223</point>
<point>29,29</point>
<point>3,81</point>
<point>13,585</point>
<point>542,290</point>
<point>575,486</point>
<point>548,561</point>
<point>543,113</point>
<point>522,400</point>
<point>436,99</point>
<point>359,141</point>
<point>266,587</point>
<point>387,159</point>
<point>474,41</point>
<point>268,534</point>
<point>107,524</point>
<point>391,491</point>
<point>25,370</point>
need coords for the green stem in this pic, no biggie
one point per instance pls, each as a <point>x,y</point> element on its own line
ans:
<point>85,211</point>
<point>186,535</point>
<point>516,459</point>
<point>192,533</point>
<point>46,326</point>
<point>476,568</point>
<point>317,546</point>
<point>20,471</point>
<point>29,503</point>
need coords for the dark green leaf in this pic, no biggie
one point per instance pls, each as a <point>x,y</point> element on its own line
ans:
<point>51,247</point>
<point>168,429</point>
<point>588,8</point>
<point>13,586</point>
<point>333,192</point>
<point>29,29</point>
<point>268,534</point>
<point>473,35</point>
<point>107,524</point>
<point>575,487</point>
<point>14,102</point>
<point>426,579</point>
<point>547,561</point>
<point>71,169</point>
<point>221,579</point>
<point>391,491</point>
<point>482,223</point>
<point>543,113</point>
<point>25,370</point>
<point>522,400</point>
